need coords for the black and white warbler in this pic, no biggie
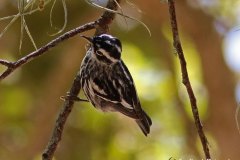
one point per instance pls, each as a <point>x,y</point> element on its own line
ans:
<point>107,83</point>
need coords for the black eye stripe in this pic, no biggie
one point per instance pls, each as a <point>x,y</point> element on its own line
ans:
<point>101,57</point>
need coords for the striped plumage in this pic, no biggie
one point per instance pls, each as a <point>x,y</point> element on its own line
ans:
<point>107,83</point>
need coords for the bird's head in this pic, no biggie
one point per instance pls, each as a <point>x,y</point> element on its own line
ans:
<point>106,47</point>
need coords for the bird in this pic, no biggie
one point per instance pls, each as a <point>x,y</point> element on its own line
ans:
<point>107,82</point>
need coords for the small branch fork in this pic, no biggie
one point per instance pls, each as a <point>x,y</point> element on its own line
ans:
<point>185,78</point>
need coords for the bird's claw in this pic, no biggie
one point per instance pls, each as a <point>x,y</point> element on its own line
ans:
<point>72,98</point>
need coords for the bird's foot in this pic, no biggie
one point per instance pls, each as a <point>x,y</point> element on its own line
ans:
<point>72,98</point>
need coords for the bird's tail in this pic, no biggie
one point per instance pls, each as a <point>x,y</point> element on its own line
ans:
<point>144,123</point>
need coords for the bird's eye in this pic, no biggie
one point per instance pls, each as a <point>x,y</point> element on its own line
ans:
<point>99,53</point>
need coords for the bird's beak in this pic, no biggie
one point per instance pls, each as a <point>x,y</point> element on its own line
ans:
<point>89,39</point>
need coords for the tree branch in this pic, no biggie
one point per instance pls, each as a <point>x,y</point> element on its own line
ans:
<point>12,66</point>
<point>101,27</point>
<point>185,78</point>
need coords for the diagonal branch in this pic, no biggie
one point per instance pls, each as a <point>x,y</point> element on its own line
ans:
<point>12,66</point>
<point>102,27</point>
<point>185,78</point>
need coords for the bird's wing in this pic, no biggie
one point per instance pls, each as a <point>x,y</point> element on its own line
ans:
<point>128,93</point>
<point>117,87</point>
<point>104,89</point>
<point>112,92</point>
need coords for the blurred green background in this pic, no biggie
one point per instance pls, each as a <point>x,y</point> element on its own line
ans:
<point>30,103</point>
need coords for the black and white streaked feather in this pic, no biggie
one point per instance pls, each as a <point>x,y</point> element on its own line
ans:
<point>107,83</point>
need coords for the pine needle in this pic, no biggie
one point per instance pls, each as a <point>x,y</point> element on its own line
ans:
<point>65,17</point>
<point>29,34</point>
<point>51,13</point>
<point>21,9</point>
<point>16,16</point>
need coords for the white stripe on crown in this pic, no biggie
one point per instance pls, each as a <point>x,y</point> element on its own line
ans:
<point>107,35</point>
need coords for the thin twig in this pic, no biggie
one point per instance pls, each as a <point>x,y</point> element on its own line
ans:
<point>44,49</point>
<point>50,149</point>
<point>185,78</point>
